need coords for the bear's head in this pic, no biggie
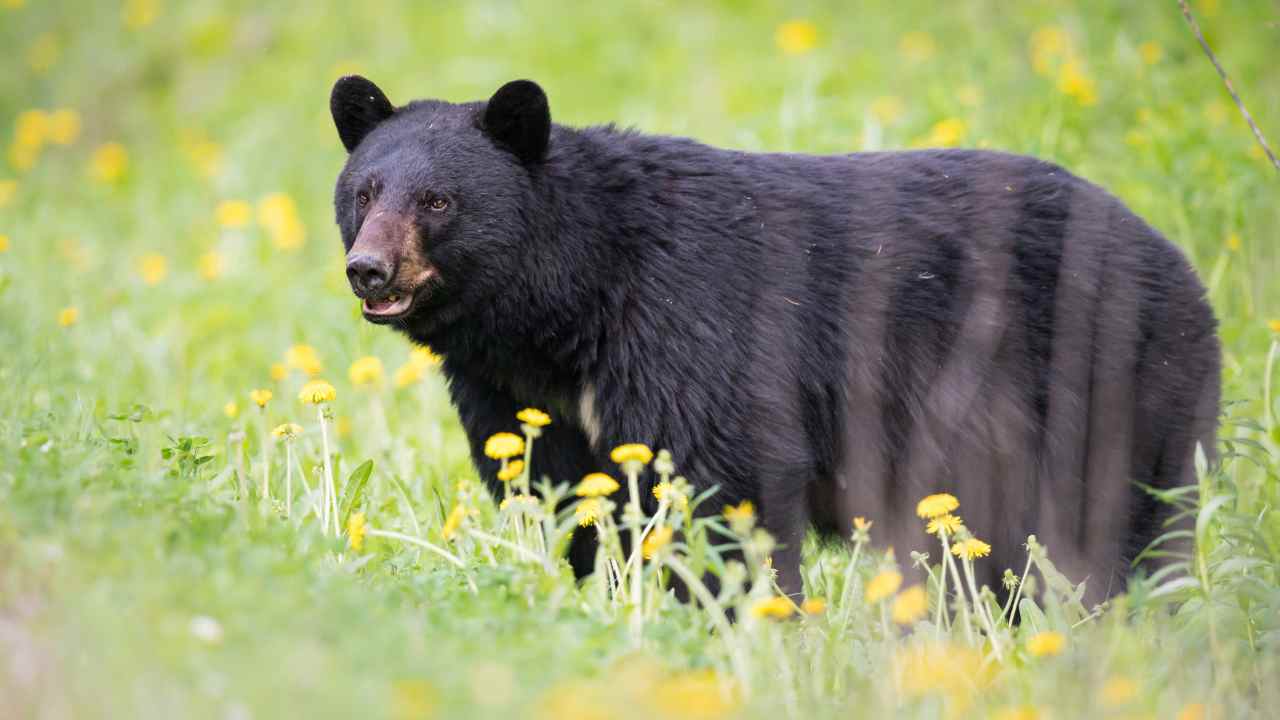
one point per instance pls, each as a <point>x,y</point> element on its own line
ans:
<point>433,203</point>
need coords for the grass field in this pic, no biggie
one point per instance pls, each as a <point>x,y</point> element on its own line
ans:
<point>167,245</point>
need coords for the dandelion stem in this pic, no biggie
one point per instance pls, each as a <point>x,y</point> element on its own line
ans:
<point>517,549</point>
<point>426,546</point>
<point>942,585</point>
<point>266,458</point>
<point>637,597</point>
<point>846,596</point>
<point>980,606</point>
<point>288,479</point>
<point>1012,606</point>
<point>331,491</point>
<point>718,618</point>
<point>788,678</point>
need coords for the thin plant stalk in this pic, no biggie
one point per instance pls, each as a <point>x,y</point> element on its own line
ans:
<point>453,559</point>
<point>718,618</point>
<point>331,491</point>
<point>1011,606</point>
<point>266,457</point>
<point>288,479</point>
<point>517,549</point>
<point>637,596</point>
<point>983,614</point>
<point>942,586</point>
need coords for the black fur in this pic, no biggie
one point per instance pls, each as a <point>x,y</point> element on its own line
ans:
<point>826,336</point>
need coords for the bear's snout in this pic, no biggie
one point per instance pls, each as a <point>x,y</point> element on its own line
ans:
<point>369,274</point>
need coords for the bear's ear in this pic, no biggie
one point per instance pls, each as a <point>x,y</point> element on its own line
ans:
<point>357,106</point>
<point>517,117</point>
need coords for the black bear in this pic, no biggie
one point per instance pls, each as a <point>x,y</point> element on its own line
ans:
<point>827,336</point>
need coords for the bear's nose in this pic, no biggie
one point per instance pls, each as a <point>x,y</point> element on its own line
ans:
<point>368,274</point>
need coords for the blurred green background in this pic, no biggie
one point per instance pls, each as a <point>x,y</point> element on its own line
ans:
<point>166,236</point>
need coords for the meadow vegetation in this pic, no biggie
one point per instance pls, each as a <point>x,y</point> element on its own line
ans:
<point>223,495</point>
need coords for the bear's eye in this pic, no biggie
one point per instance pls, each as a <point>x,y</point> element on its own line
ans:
<point>438,204</point>
<point>362,198</point>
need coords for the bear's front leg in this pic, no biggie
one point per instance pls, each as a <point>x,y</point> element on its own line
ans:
<point>560,454</point>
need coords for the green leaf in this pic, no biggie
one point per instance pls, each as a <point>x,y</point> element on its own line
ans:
<point>356,482</point>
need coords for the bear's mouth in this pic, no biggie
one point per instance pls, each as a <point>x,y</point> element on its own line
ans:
<point>388,307</point>
<point>398,303</point>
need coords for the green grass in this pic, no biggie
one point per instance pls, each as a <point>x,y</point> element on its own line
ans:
<point>108,551</point>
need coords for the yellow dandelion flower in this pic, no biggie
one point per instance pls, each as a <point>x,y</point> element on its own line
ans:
<point>743,511</point>
<point>667,491</point>
<point>233,213</point>
<point>1118,690</point>
<point>68,316</point>
<point>4,243</point>
<point>970,549</point>
<point>694,695</point>
<point>1046,644</point>
<point>657,539</point>
<point>946,133</point>
<point>588,511</point>
<point>917,46</point>
<point>814,606</point>
<point>231,409</point>
<point>260,397</point>
<point>64,126</point>
<point>534,417</point>
<point>453,522</point>
<point>356,529</point>
<point>1274,325</point>
<point>413,700</point>
<point>211,265</point>
<point>1150,52</point>
<point>883,585</point>
<point>152,268</point>
<point>945,524</point>
<point>316,392</point>
<point>861,523</point>
<point>511,471</point>
<point>777,608</point>
<point>138,14</point>
<point>31,128</point>
<point>422,355</point>
<point>278,372</point>
<point>109,163</point>
<point>796,37</point>
<point>596,484</point>
<point>278,214</point>
<point>937,505</point>
<point>528,501</point>
<point>408,374</point>
<point>953,670</point>
<point>632,452</point>
<point>304,358</point>
<point>8,189</point>
<point>1074,83</point>
<point>887,109</point>
<point>910,605</point>
<point>1194,711</point>
<point>366,371</point>
<point>503,445</point>
<point>1048,45</point>
<point>1233,242</point>
<point>203,154</point>
<point>287,431</point>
